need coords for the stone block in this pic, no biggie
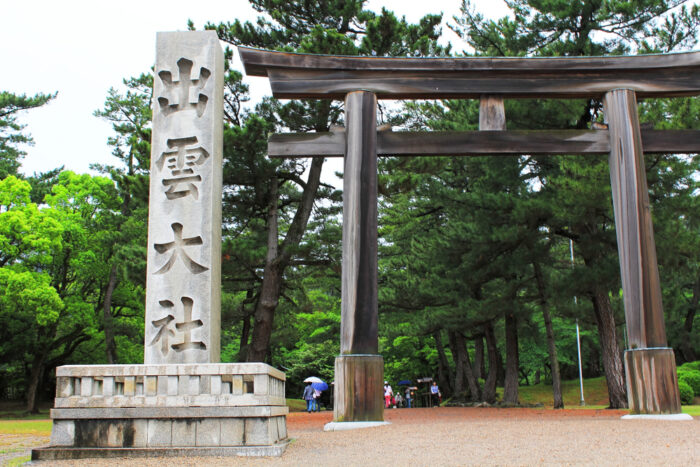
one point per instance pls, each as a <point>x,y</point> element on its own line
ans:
<point>261,385</point>
<point>193,388</point>
<point>237,384</point>
<point>281,427</point>
<point>184,432</point>
<point>63,387</point>
<point>63,433</point>
<point>208,432</point>
<point>86,386</point>
<point>173,385</point>
<point>232,431</point>
<point>159,433</point>
<point>151,385</point>
<point>257,432</point>
<point>129,385</point>
<point>108,386</point>
<point>215,385</point>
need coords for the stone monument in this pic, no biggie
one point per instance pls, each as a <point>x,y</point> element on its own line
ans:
<point>182,401</point>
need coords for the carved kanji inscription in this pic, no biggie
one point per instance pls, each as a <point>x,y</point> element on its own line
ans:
<point>179,92</point>
<point>177,250</point>
<point>182,161</point>
<point>183,329</point>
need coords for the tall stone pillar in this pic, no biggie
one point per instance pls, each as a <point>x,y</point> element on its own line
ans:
<point>359,369</point>
<point>183,292</point>
<point>650,366</point>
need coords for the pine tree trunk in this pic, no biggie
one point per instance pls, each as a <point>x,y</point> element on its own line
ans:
<point>458,358</point>
<point>489,394</point>
<point>686,346</point>
<point>551,344</point>
<point>472,383</point>
<point>271,286</point>
<point>278,258</point>
<point>612,363</point>
<point>510,390</point>
<point>108,321</point>
<point>444,371</point>
<point>479,364</point>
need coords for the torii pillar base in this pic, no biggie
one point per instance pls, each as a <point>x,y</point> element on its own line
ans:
<point>652,387</point>
<point>359,388</point>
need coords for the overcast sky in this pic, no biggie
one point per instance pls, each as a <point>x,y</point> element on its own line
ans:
<point>81,48</point>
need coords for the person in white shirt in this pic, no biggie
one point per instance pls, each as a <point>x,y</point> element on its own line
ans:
<point>388,392</point>
<point>435,394</point>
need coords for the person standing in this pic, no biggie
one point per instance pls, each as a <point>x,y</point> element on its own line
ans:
<point>309,397</point>
<point>317,400</point>
<point>435,394</point>
<point>408,398</point>
<point>388,393</point>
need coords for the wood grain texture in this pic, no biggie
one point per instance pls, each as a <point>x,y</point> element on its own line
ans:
<point>479,143</point>
<point>295,76</point>
<point>358,388</point>
<point>358,325</point>
<point>492,114</point>
<point>635,233</point>
<point>652,385</point>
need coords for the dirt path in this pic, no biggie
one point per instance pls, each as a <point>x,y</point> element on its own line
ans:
<point>474,436</point>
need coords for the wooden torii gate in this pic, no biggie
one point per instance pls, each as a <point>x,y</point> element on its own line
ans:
<point>650,366</point>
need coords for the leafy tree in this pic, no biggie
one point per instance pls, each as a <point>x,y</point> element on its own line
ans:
<point>331,27</point>
<point>11,135</point>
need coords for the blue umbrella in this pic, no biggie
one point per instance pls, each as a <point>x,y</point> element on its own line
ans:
<point>322,386</point>
<point>404,382</point>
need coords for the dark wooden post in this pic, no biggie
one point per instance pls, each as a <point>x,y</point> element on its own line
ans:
<point>359,370</point>
<point>650,366</point>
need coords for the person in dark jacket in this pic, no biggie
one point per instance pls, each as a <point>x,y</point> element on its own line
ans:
<point>309,397</point>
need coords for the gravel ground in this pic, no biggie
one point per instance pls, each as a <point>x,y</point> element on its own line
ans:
<point>471,436</point>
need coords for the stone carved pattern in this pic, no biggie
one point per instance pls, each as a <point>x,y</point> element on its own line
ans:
<point>177,246</point>
<point>182,161</point>
<point>183,328</point>
<point>179,91</point>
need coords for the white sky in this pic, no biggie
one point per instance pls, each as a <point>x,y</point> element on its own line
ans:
<point>81,48</point>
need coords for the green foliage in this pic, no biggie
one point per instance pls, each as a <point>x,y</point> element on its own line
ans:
<point>691,366</point>
<point>686,393</point>
<point>11,135</point>
<point>692,378</point>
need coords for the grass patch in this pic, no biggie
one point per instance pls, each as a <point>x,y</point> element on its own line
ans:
<point>26,427</point>
<point>595,393</point>
<point>15,461</point>
<point>693,410</point>
<point>296,405</point>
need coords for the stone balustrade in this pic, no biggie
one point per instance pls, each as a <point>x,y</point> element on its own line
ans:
<point>184,385</point>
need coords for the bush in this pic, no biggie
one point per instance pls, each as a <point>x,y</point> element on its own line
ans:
<point>691,366</point>
<point>686,393</point>
<point>692,378</point>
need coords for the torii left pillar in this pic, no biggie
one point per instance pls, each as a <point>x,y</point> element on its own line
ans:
<point>359,369</point>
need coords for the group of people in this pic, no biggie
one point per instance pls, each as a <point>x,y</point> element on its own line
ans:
<point>391,400</point>
<point>312,397</point>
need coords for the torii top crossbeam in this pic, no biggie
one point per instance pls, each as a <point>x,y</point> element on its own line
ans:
<point>295,76</point>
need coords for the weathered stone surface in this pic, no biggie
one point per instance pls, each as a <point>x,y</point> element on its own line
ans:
<point>159,433</point>
<point>63,433</point>
<point>208,432</point>
<point>257,431</point>
<point>59,453</point>
<point>168,412</point>
<point>184,229</point>
<point>229,369</point>
<point>232,431</point>
<point>184,432</point>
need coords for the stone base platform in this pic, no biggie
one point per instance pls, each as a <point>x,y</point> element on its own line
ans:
<point>55,453</point>
<point>189,409</point>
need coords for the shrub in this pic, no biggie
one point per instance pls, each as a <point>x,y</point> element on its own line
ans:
<point>692,378</point>
<point>686,393</point>
<point>691,366</point>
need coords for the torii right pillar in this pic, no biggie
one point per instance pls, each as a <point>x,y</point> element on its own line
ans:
<point>650,367</point>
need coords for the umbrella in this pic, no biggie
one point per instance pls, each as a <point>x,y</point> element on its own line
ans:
<point>313,379</point>
<point>404,382</point>
<point>322,386</point>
